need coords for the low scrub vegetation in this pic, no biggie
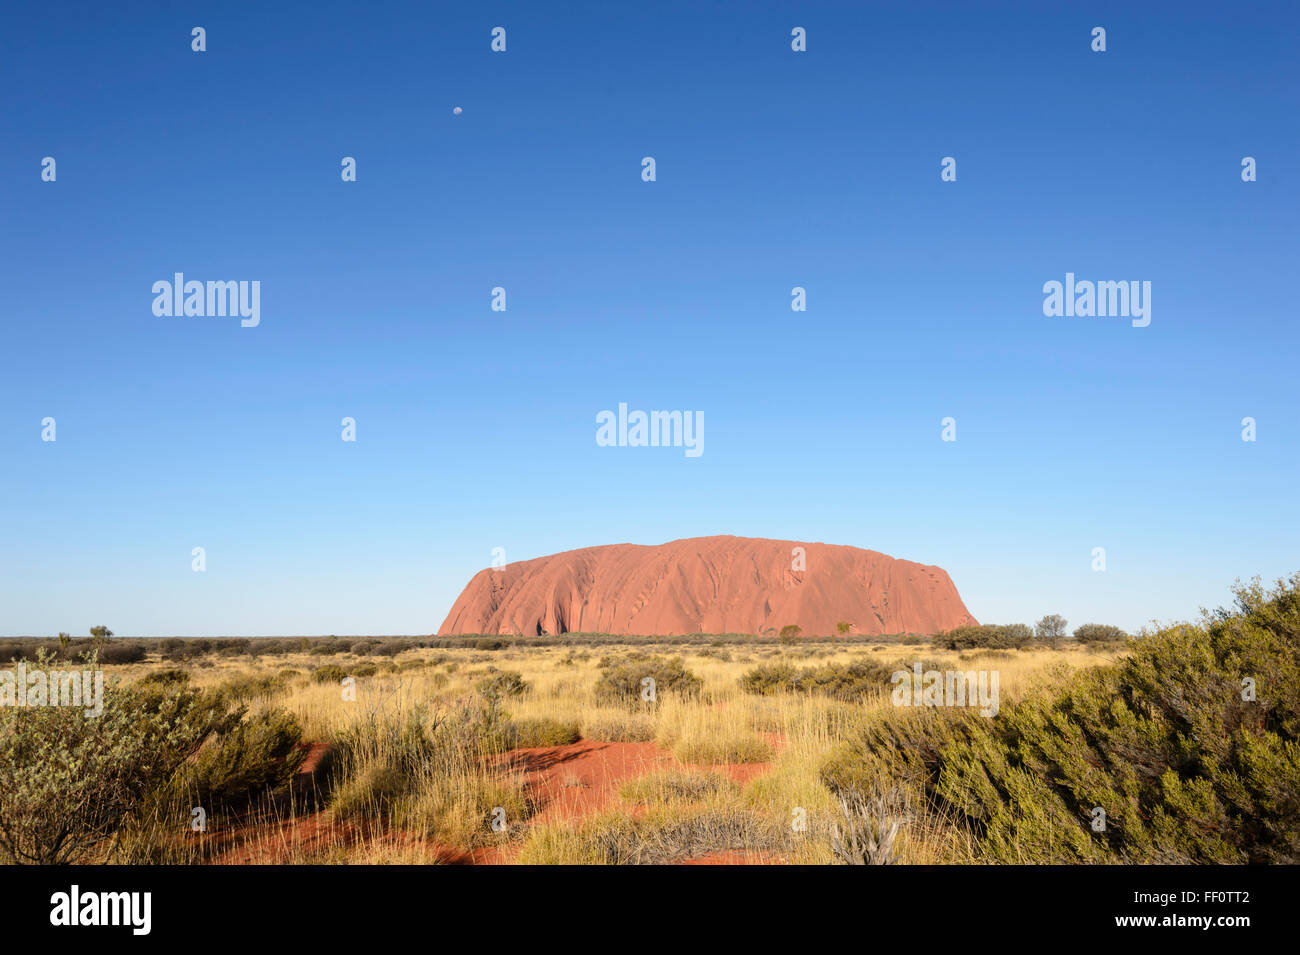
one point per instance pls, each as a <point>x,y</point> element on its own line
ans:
<point>1176,746</point>
<point>1187,751</point>
<point>1100,633</point>
<point>851,681</point>
<point>71,783</point>
<point>626,682</point>
<point>984,636</point>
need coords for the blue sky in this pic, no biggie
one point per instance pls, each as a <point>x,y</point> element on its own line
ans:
<point>775,169</point>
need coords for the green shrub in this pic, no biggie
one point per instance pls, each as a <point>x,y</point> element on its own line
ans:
<point>622,682</point>
<point>1099,633</point>
<point>330,673</point>
<point>985,636</point>
<point>120,653</point>
<point>502,684</point>
<point>259,754</point>
<point>329,648</point>
<point>841,681</point>
<point>1190,747</point>
<point>249,686</point>
<point>169,677</point>
<point>69,782</point>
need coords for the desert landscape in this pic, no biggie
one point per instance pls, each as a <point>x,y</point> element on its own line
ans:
<point>972,744</point>
<point>457,436</point>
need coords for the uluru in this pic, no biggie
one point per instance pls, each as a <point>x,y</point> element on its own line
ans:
<point>718,584</point>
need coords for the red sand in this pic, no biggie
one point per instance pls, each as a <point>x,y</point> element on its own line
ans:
<point>576,780</point>
<point>568,782</point>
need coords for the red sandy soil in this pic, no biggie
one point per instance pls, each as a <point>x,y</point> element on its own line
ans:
<point>276,841</point>
<point>579,779</point>
<point>568,782</point>
<point>708,585</point>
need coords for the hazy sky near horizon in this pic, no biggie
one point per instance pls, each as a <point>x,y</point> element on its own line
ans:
<point>476,429</point>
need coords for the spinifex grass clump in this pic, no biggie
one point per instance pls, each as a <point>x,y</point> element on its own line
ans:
<point>677,785</point>
<point>539,731</point>
<point>665,834</point>
<point>425,768</point>
<point>381,755</point>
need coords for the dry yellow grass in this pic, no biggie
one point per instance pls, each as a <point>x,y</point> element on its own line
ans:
<point>784,810</point>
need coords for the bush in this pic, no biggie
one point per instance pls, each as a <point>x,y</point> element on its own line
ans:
<point>1099,633</point>
<point>119,653</point>
<point>621,682</point>
<point>329,648</point>
<point>545,731</point>
<point>259,754</point>
<point>167,677</point>
<point>501,684</point>
<point>248,686</point>
<point>92,773</point>
<point>840,681</point>
<point>330,673</point>
<point>768,678</point>
<point>1050,627</point>
<point>984,636</point>
<point>1191,747</point>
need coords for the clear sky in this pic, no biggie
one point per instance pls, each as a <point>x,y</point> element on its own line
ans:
<point>476,429</point>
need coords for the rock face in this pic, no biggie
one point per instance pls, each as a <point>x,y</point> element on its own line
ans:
<point>708,585</point>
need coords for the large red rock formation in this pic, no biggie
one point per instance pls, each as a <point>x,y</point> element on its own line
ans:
<point>708,585</point>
